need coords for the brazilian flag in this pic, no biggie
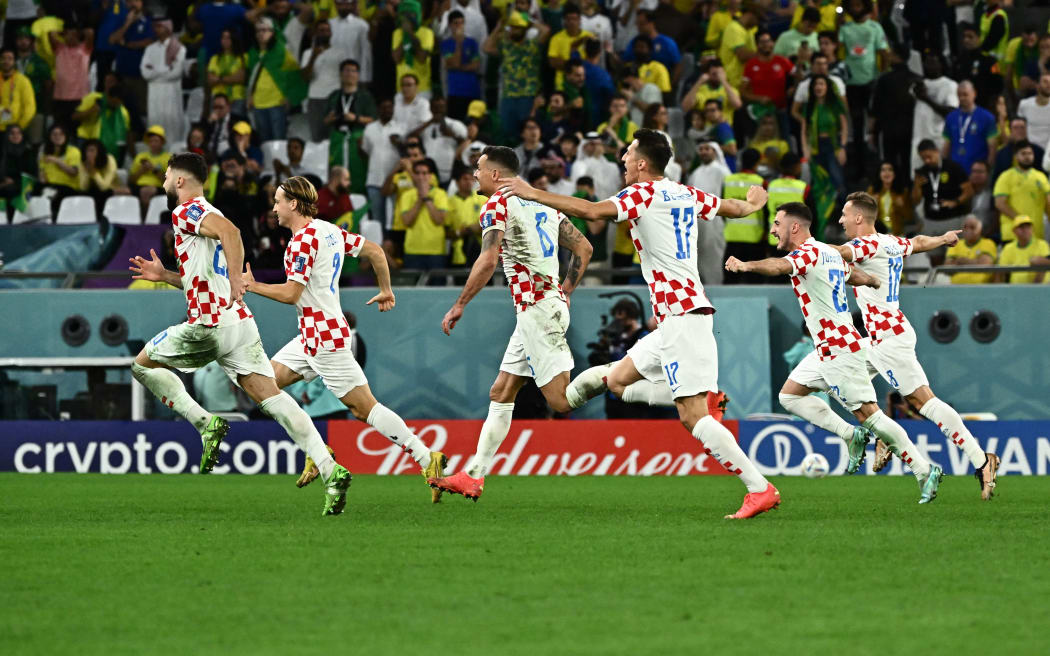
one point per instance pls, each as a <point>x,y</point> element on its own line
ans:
<point>825,197</point>
<point>21,201</point>
<point>351,222</point>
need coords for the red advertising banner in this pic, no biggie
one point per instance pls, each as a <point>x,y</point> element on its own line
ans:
<point>537,448</point>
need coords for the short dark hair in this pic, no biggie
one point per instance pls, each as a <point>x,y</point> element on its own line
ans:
<point>302,144</point>
<point>643,38</point>
<point>749,158</point>
<point>191,163</point>
<point>829,34</point>
<point>586,181</point>
<point>349,62</point>
<point>570,8</point>
<point>628,307</point>
<point>503,157</point>
<point>866,204</point>
<point>654,148</point>
<point>967,26</point>
<point>427,162</point>
<point>715,101</point>
<point>535,174</point>
<point>591,48</point>
<point>454,14</point>
<point>797,211</point>
<point>1021,145</point>
<point>811,15</point>
<point>220,95</point>
<point>926,144</point>
<point>789,161</point>
<point>762,31</point>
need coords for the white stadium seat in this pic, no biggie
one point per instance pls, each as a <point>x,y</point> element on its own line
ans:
<point>158,205</point>
<point>76,209</point>
<point>315,159</point>
<point>276,149</point>
<point>39,209</point>
<point>357,201</point>
<point>123,209</point>
<point>372,231</point>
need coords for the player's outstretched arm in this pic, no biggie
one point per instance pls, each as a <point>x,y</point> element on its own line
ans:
<point>922,243</point>
<point>215,226</point>
<point>845,251</point>
<point>373,252</point>
<point>153,270</point>
<point>571,238</point>
<point>735,209</point>
<point>771,266</point>
<point>858,278</point>
<point>287,292</point>
<point>480,274</point>
<point>570,205</point>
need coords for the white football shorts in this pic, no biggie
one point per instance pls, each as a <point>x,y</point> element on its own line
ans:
<point>683,352</point>
<point>845,377</point>
<point>338,369</point>
<point>894,359</point>
<point>236,347</point>
<point>537,348</point>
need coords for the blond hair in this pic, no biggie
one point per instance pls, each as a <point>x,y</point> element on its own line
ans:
<point>304,194</point>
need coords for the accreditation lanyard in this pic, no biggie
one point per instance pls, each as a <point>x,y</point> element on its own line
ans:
<point>935,182</point>
<point>965,125</point>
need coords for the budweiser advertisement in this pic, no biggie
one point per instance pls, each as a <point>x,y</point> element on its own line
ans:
<point>537,448</point>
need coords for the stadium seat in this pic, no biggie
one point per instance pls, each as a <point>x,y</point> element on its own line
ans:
<point>276,149</point>
<point>357,201</point>
<point>39,209</point>
<point>158,206</point>
<point>123,209</point>
<point>299,126</point>
<point>76,209</point>
<point>315,159</point>
<point>122,176</point>
<point>372,231</point>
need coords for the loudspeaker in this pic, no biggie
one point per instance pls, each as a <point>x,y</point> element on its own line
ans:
<point>944,326</point>
<point>113,330</point>
<point>985,326</point>
<point>75,330</point>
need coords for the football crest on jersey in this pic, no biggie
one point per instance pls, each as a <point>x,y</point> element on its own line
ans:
<point>300,264</point>
<point>487,219</point>
<point>194,213</point>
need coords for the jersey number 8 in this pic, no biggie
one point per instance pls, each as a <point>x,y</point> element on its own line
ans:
<point>546,245</point>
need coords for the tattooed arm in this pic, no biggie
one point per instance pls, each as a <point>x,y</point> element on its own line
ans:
<point>571,238</point>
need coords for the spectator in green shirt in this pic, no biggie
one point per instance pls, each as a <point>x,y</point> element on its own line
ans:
<point>863,41</point>
<point>788,43</point>
<point>519,67</point>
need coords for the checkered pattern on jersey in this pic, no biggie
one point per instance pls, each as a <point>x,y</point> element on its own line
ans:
<point>672,297</point>
<point>881,323</point>
<point>352,243</point>
<point>837,338</point>
<point>706,204</point>
<point>528,288</point>
<point>204,306</point>
<point>187,217</point>
<point>299,255</point>
<point>633,200</point>
<point>866,247</point>
<point>319,331</point>
<point>494,214</point>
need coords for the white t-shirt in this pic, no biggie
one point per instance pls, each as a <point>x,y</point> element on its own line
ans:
<point>802,92</point>
<point>411,115</point>
<point>1038,117</point>
<point>606,174</point>
<point>350,35</point>
<point>928,124</point>
<point>382,155</point>
<point>441,148</point>
<point>21,10</point>
<point>325,78</point>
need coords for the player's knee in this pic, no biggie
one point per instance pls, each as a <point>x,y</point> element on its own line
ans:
<point>559,405</point>
<point>787,400</point>
<point>616,386</point>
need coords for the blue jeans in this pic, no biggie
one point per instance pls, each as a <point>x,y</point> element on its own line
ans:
<point>512,113</point>
<point>271,123</point>
<point>376,205</point>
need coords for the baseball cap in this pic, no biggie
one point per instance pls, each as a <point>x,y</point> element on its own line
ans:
<point>477,109</point>
<point>1022,219</point>
<point>518,19</point>
<point>242,127</point>
<point>157,130</point>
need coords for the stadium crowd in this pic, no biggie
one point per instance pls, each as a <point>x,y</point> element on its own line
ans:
<point>939,108</point>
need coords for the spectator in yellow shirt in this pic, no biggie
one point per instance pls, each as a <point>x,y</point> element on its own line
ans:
<point>649,70</point>
<point>227,72</point>
<point>60,166</point>
<point>1021,190</point>
<point>712,83</point>
<point>17,99</point>
<point>738,44</point>
<point>424,208</point>
<point>971,250</point>
<point>147,169</point>
<point>413,53</point>
<point>618,131</point>
<point>562,44</point>
<point>1024,251</point>
<point>462,223</point>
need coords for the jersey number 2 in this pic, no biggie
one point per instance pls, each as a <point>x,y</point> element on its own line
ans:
<point>683,221</point>
<point>546,245</point>
<point>335,272</point>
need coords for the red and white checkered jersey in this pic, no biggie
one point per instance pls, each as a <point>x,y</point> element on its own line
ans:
<point>818,277</point>
<point>529,248</point>
<point>881,256</point>
<point>314,257</point>
<point>202,267</point>
<point>663,215</point>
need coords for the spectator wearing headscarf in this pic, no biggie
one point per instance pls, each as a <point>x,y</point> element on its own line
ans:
<point>162,66</point>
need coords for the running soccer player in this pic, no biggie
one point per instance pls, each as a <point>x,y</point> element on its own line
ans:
<point>892,349</point>
<point>838,364</point>
<point>219,327</point>
<point>527,235</point>
<point>663,215</point>
<point>312,263</point>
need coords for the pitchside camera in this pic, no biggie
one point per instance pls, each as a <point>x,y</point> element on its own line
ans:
<point>985,326</point>
<point>75,330</point>
<point>113,330</point>
<point>944,326</point>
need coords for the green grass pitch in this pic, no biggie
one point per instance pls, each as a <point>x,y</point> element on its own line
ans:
<point>245,565</point>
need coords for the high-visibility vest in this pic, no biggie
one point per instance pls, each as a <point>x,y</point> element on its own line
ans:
<point>748,229</point>
<point>999,49</point>
<point>784,190</point>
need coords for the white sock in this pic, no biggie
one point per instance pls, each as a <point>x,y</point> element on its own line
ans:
<point>493,432</point>
<point>951,424</point>
<point>645,391</point>
<point>720,444</point>
<point>286,412</point>
<point>897,439</point>
<point>387,422</point>
<point>817,412</point>
<point>172,393</point>
<point>587,385</point>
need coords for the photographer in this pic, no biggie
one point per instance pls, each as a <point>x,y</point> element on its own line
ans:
<point>614,340</point>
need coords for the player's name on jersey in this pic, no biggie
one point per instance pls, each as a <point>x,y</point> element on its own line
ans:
<point>831,257</point>
<point>530,203</point>
<point>668,197</point>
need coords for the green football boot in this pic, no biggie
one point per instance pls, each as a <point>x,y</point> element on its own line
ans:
<point>212,436</point>
<point>857,449</point>
<point>335,491</point>
<point>929,486</point>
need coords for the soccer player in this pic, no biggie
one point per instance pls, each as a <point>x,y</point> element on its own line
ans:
<point>663,215</point>
<point>312,263</point>
<point>892,349</point>
<point>219,327</point>
<point>527,235</point>
<point>838,364</point>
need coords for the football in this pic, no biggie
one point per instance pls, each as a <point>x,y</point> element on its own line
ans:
<point>815,466</point>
